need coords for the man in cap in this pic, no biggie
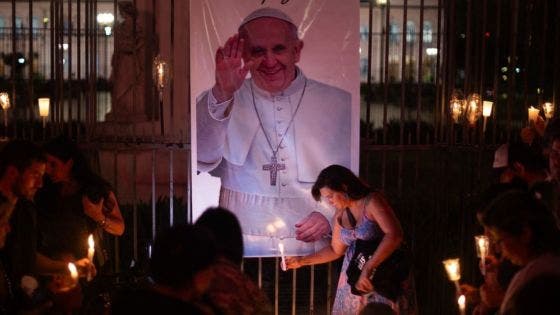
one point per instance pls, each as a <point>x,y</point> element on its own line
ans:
<point>269,136</point>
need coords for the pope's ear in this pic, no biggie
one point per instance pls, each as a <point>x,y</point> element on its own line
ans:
<point>297,49</point>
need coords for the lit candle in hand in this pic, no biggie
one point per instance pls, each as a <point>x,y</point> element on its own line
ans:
<point>283,258</point>
<point>482,245</point>
<point>73,273</point>
<point>453,269</point>
<point>91,252</point>
<point>533,114</point>
<point>91,249</point>
<point>462,304</point>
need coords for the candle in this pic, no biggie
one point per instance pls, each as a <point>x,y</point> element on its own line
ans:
<point>73,272</point>
<point>4,100</point>
<point>473,110</point>
<point>283,258</point>
<point>90,253</point>
<point>533,114</point>
<point>453,269</point>
<point>482,246</point>
<point>462,304</point>
<point>486,108</point>
<point>91,248</point>
<point>548,109</point>
<point>456,110</point>
<point>160,74</point>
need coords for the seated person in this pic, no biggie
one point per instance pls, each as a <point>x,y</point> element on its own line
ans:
<point>74,203</point>
<point>181,268</point>
<point>231,291</point>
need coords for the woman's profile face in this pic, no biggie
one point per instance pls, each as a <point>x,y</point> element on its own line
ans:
<point>58,170</point>
<point>513,247</point>
<point>334,198</point>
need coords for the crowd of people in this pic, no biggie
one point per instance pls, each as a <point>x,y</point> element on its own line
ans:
<point>194,268</point>
<point>520,215</point>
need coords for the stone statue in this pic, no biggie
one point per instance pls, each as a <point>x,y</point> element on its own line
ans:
<point>128,72</point>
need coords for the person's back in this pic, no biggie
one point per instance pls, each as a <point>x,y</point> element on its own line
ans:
<point>541,295</point>
<point>231,291</point>
<point>147,301</point>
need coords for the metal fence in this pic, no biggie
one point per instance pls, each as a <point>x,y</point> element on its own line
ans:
<point>430,167</point>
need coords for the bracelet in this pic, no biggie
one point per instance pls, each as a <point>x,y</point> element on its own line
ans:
<point>103,223</point>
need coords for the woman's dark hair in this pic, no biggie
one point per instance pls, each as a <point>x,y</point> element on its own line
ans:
<point>341,179</point>
<point>227,232</point>
<point>515,210</point>
<point>179,253</point>
<point>65,149</point>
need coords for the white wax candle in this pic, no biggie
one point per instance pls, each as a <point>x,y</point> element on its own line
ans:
<point>453,269</point>
<point>462,304</point>
<point>73,271</point>
<point>91,248</point>
<point>282,257</point>
<point>533,114</point>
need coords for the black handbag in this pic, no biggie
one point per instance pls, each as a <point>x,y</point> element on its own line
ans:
<point>388,277</point>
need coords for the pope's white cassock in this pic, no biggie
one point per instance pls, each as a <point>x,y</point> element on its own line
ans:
<point>233,146</point>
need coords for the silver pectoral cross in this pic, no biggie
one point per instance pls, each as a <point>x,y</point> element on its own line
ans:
<point>273,168</point>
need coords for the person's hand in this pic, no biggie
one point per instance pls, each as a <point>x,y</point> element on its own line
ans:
<point>230,71</point>
<point>491,264</point>
<point>528,135</point>
<point>85,266</point>
<point>364,284</point>
<point>93,210</point>
<point>312,228</point>
<point>540,126</point>
<point>293,262</point>
<point>470,292</point>
<point>491,293</point>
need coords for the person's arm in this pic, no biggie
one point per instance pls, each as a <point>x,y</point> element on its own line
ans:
<point>332,252</point>
<point>45,265</point>
<point>214,106</point>
<point>112,222</point>
<point>379,210</point>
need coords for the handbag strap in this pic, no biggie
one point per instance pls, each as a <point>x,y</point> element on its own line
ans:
<point>351,218</point>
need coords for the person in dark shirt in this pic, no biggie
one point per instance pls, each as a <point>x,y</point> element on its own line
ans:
<point>181,267</point>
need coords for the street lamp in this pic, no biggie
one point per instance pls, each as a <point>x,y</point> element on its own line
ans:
<point>105,20</point>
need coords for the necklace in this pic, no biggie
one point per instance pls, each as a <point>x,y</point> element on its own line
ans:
<point>273,167</point>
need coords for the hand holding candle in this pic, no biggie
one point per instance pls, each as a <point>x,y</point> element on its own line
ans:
<point>453,269</point>
<point>548,109</point>
<point>73,273</point>
<point>533,114</point>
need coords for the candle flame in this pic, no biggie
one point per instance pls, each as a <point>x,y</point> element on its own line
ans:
<point>73,271</point>
<point>4,100</point>
<point>453,269</point>
<point>462,301</point>
<point>91,243</point>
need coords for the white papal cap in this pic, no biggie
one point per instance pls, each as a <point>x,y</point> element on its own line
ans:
<point>267,12</point>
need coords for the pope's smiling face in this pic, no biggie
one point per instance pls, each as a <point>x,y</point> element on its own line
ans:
<point>273,46</point>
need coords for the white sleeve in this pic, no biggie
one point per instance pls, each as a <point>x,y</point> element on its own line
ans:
<point>212,119</point>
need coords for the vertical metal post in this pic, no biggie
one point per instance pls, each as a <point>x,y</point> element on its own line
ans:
<point>171,188</point>
<point>153,194</point>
